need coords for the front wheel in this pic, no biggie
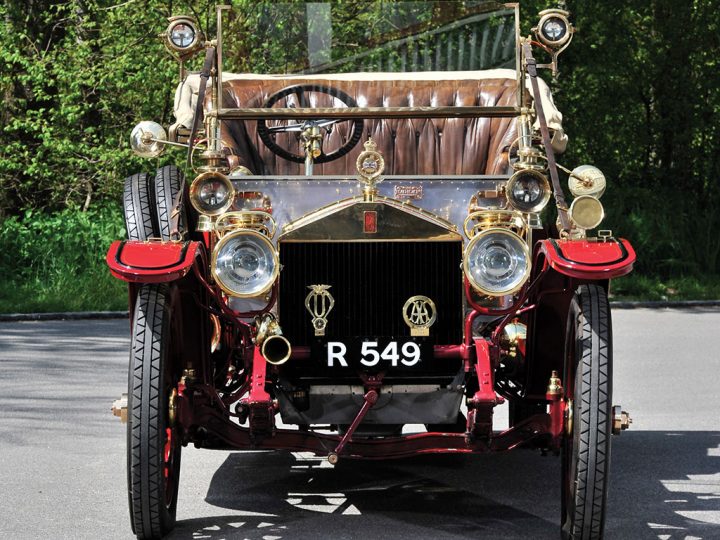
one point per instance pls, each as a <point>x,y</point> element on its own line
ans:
<point>588,394</point>
<point>153,451</point>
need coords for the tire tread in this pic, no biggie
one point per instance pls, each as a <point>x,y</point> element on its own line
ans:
<point>595,375</point>
<point>168,181</point>
<point>139,204</point>
<point>150,518</point>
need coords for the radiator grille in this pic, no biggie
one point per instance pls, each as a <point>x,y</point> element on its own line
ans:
<point>370,283</point>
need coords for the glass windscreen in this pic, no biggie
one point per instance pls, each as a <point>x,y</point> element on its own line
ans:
<point>343,36</point>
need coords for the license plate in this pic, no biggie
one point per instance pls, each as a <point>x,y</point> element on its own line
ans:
<point>374,354</point>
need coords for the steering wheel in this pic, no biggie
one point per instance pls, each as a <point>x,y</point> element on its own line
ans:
<point>265,132</point>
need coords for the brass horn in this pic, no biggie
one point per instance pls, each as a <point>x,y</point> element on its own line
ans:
<point>274,347</point>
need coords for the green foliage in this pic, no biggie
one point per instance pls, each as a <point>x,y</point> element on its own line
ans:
<point>638,286</point>
<point>639,89</point>
<point>75,76</point>
<point>56,262</point>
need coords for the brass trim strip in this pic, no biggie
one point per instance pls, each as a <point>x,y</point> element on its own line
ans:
<point>329,210</point>
<point>366,112</point>
<point>387,178</point>
<point>450,237</point>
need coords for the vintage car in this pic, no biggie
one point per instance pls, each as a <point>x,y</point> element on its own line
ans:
<point>366,262</point>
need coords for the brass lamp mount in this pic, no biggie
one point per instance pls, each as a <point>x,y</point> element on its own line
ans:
<point>530,157</point>
<point>553,33</point>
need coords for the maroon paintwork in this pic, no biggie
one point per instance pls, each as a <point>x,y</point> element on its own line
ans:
<point>584,259</point>
<point>207,417</point>
<point>152,261</point>
<point>200,408</point>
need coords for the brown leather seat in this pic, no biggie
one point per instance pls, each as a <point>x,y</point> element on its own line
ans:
<point>409,146</point>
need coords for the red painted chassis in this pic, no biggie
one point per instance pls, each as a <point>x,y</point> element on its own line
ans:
<point>206,418</point>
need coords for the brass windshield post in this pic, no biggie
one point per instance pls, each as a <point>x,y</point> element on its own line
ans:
<point>212,158</point>
<point>217,80</point>
<point>519,71</point>
<point>562,207</point>
<point>219,49</point>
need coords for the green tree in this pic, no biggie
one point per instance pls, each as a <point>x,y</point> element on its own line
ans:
<point>75,76</point>
<point>640,92</point>
<point>638,87</point>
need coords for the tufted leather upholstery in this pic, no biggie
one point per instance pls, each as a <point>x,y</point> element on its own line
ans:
<point>409,146</point>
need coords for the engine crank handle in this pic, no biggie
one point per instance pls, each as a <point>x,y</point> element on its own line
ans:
<point>371,398</point>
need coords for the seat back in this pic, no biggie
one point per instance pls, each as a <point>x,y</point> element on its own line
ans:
<point>435,146</point>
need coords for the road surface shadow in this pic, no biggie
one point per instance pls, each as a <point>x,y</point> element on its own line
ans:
<point>664,485</point>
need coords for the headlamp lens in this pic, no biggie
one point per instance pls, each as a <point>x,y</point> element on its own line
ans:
<point>212,193</point>
<point>526,190</point>
<point>497,262</point>
<point>245,264</point>
<point>554,29</point>
<point>182,35</point>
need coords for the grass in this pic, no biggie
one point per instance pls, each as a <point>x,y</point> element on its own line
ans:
<point>56,262</point>
<point>642,287</point>
<point>94,290</point>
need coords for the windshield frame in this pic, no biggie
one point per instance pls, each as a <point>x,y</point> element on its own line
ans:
<point>348,113</point>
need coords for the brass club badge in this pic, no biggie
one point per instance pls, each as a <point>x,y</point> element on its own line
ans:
<point>319,302</point>
<point>420,314</point>
<point>370,165</point>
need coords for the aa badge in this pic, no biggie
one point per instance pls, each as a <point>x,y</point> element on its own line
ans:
<point>419,313</point>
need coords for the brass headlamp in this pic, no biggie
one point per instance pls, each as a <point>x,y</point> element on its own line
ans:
<point>528,191</point>
<point>244,262</point>
<point>497,259</point>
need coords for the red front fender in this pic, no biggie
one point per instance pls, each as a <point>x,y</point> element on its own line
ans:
<point>153,261</point>
<point>589,259</point>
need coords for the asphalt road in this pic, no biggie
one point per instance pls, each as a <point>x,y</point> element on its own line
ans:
<point>62,454</point>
